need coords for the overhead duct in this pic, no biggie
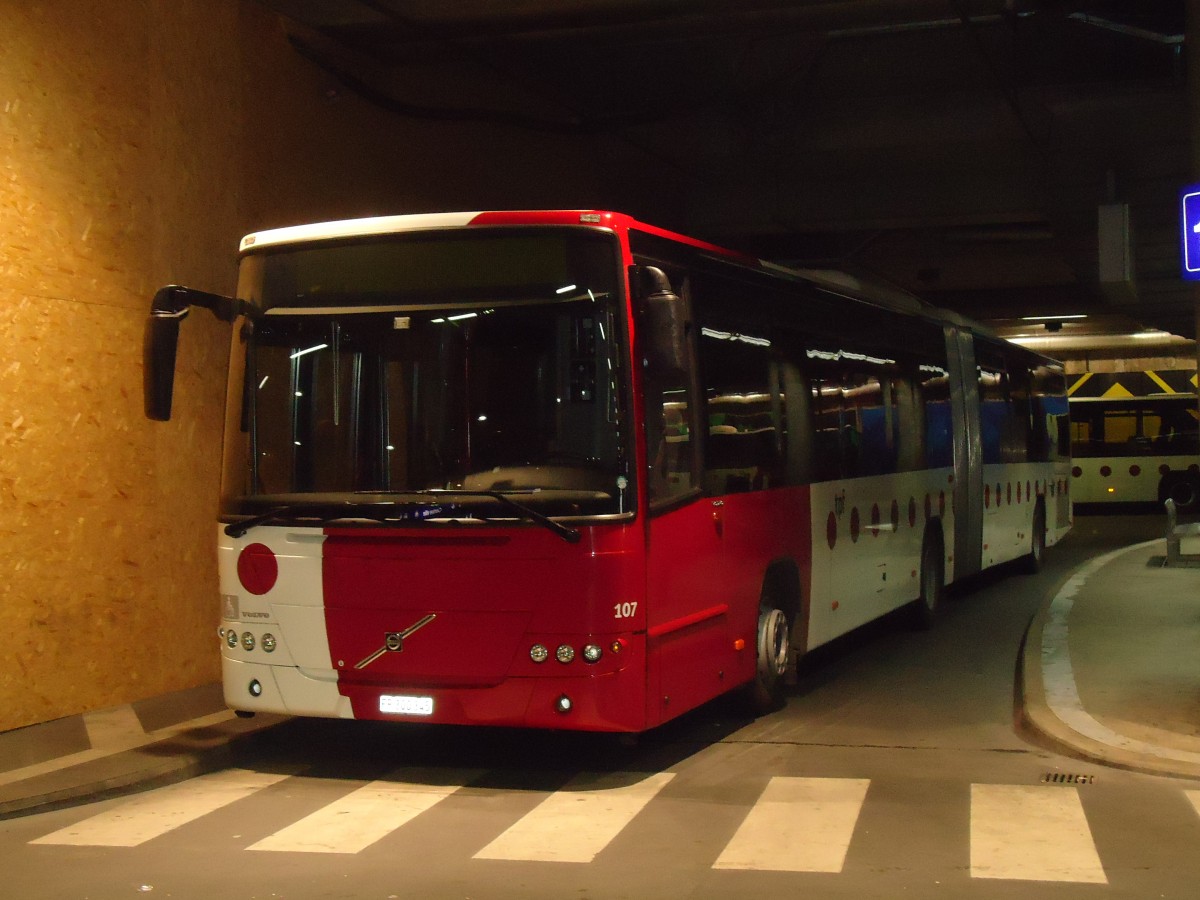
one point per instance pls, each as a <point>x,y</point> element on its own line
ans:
<point>1116,254</point>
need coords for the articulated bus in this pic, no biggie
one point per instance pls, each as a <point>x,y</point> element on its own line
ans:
<point>562,469</point>
<point>1135,439</point>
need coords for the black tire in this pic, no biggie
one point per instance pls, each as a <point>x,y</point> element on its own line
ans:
<point>1183,489</point>
<point>1031,562</point>
<point>773,646</point>
<point>933,567</point>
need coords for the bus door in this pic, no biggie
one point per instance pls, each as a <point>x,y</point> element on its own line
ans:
<point>687,592</point>
<point>968,454</point>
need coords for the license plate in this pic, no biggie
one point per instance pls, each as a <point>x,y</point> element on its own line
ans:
<point>405,705</point>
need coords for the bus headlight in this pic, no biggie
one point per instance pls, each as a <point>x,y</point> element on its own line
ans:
<point>231,638</point>
<point>248,641</point>
<point>269,643</point>
<point>592,653</point>
<point>538,653</point>
<point>565,653</point>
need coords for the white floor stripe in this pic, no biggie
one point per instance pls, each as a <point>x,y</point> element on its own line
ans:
<point>113,727</point>
<point>798,825</point>
<point>578,821</point>
<point>156,812</point>
<point>1031,833</point>
<point>370,813</point>
<point>1194,797</point>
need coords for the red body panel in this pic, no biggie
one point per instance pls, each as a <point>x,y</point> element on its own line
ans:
<point>493,593</point>
<point>705,571</point>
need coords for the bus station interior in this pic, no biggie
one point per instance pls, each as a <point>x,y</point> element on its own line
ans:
<point>1016,161</point>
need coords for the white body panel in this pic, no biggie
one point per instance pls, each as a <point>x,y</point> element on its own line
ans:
<point>356,228</point>
<point>298,676</point>
<point>855,581</point>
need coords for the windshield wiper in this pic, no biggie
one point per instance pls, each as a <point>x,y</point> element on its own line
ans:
<point>568,534</point>
<point>354,510</point>
<point>302,511</point>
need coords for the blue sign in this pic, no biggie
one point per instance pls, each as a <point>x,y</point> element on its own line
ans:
<point>1189,231</point>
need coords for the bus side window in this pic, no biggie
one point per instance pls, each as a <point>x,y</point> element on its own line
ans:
<point>797,400</point>
<point>827,425</point>
<point>910,413</point>
<point>939,431</point>
<point>667,396</point>
<point>870,429</point>
<point>743,435</point>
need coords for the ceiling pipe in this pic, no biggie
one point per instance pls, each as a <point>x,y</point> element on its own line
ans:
<point>1144,34</point>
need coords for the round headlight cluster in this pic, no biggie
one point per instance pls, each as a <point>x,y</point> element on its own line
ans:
<point>565,653</point>
<point>268,641</point>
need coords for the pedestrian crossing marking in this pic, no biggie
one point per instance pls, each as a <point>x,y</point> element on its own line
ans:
<point>1031,833</point>
<point>150,815</point>
<point>578,821</point>
<point>370,813</point>
<point>798,825</point>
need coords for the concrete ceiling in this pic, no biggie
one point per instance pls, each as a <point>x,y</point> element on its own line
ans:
<point>961,149</point>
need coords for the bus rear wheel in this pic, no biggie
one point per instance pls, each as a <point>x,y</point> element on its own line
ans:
<point>933,565</point>
<point>1031,562</point>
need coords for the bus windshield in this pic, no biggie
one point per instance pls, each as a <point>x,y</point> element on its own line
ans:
<point>388,371</point>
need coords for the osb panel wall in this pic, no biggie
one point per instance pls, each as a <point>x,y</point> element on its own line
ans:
<point>105,523</point>
<point>138,141</point>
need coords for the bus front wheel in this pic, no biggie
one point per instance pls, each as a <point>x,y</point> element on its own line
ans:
<point>774,646</point>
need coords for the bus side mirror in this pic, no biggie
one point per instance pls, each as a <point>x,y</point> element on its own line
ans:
<point>161,340</point>
<point>663,317</point>
<point>159,343</point>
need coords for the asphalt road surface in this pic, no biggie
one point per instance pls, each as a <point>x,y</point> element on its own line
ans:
<point>897,769</point>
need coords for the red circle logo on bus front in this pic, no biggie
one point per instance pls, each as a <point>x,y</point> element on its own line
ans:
<point>257,568</point>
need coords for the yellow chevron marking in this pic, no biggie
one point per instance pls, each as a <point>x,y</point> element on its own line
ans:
<point>1116,392</point>
<point>1153,376</point>
<point>1079,383</point>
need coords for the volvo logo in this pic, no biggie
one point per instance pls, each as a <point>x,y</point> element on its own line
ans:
<point>393,641</point>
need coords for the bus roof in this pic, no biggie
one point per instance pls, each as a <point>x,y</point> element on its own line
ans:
<point>872,291</point>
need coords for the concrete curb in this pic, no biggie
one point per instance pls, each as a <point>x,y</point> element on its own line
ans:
<point>186,754</point>
<point>1048,687</point>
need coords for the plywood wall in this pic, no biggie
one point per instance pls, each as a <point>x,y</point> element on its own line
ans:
<point>138,141</point>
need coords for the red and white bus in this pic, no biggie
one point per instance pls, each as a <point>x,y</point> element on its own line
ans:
<point>567,470</point>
